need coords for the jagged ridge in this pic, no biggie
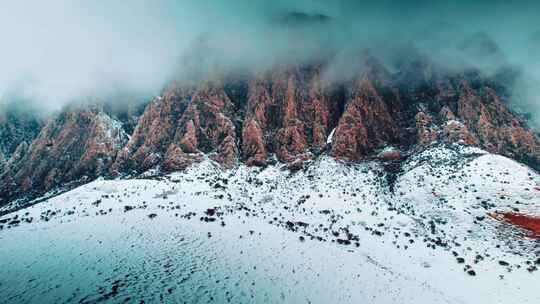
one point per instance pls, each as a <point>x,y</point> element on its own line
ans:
<point>286,113</point>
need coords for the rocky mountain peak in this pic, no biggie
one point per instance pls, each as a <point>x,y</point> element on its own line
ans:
<point>288,114</point>
<point>77,144</point>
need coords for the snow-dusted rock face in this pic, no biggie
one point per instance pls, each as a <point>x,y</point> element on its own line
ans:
<point>77,144</point>
<point>292,115</point>
<point>289,114</point>
<point>335,232</point>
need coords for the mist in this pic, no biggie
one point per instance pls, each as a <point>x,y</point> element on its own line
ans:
<point>57,51</point>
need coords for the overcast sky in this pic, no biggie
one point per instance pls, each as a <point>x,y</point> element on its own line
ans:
<point>57,50</point>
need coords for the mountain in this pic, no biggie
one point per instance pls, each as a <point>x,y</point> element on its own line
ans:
<point>289,115</point>
<point>416,185</point>
<point>18,126</point>
<point>335,232</point>
<point>79,144</point>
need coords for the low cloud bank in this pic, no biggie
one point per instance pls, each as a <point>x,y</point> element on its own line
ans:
<point>57,51</point>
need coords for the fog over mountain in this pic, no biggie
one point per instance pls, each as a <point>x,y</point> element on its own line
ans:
<point>269,151</point>
<point>57,51</point>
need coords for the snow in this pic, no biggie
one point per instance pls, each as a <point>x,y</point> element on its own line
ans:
<point>113,130</point>
<point>454,122</point>
<point>92,243</point>
<point>389,149</point>
<point>330,137</point>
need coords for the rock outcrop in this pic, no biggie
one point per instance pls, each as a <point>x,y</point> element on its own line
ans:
<point>76,145</point>
<point>476,117</point>
<point>366,124</point>
<point>289,114</point>
<point>180,127</point>
<point>154,132</point>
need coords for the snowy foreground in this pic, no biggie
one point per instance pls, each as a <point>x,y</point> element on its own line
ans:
<point>332,233</point>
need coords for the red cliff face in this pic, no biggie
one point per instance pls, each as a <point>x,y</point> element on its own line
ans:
<point>497,129</point>
<point>254,146</point>
<point>206,127</point>
<point>177,129</point>
<point>154,132</point>
<point>479,118</point>
<point>77,144</point>
<point>286,114</point>
<point>366,124</point>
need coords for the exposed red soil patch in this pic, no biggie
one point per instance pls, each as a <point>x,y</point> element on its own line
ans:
<point>523,221</point>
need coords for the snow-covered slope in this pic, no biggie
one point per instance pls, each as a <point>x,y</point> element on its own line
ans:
<point>332,233</point>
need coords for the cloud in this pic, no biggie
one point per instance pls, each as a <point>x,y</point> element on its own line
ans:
<point>59,50</point>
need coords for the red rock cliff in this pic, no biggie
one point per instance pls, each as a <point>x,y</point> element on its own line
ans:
<point>290,114</point>
<point>78,144</point>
